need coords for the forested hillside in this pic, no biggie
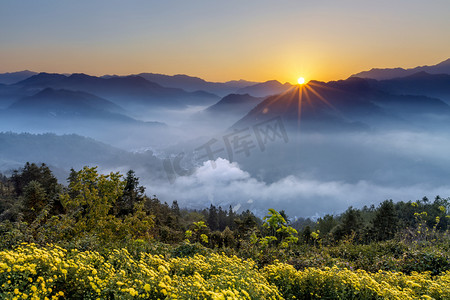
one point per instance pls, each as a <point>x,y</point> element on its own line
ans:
<point>102,236</point>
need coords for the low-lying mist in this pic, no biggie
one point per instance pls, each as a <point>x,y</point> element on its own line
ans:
<point>359,146</point>
<point>315,173</point>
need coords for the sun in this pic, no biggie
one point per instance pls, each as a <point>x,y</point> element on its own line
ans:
<point>301,80</point>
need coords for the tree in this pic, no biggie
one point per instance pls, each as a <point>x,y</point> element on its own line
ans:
<point>175,208</point>
<point>351,222</point>
<point>384,225</point>
<point>279,230</point>
<point>95,196</point>
<point>198,232</point>
<point>306,234</point>
<point>31,172</point>
<point>9,208</point>
<point>213,219</point>
<point>231,218</point>
<point>133,193</point>
<point>326,224</point>
<point>89,201</point>
<point>223,219</point>
<point>245,224</point>
<point>38,187</point>
<point>34,200</point>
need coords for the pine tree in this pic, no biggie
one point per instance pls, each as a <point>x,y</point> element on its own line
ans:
<point>133,193</point>
<point>34,200</point>
<point>223,219</point>
<point>42,174</point>
<point>384,225</point>
<point>231,217</point>
<point>213,220</point>
<point>351,222</point>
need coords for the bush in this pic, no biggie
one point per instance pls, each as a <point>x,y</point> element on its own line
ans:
<point>53,272</point>
<point>336,283</point>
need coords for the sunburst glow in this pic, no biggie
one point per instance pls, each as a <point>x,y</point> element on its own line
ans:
<point>309,94</point>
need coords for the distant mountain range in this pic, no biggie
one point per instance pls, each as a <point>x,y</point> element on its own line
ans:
<point>390,73</point>
<point>66,151</point>
<point>67,104</point>
<point>352,104</point>
<point>265,89</point>
<point>123,90</point>
<point>63,152</point>
<point>64,111</point>
<point>343,124</point>
<point>228,110</point>
<point>422,83</point>
<point>234,103</point>
<point>13,77</point>
<point>187,83</point>
<point>192,84</point>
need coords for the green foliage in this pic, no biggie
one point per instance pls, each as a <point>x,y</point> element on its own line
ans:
<point>89,199</point>
<point>34,200</point>
<point>188,250</point>
<point>89,202</point>
<point>384,225</point>
<point>132,195</point>
<point>280,232</point>
<point>103,213</point>
<point>198,233</point>
<point>351,223</point>
<point>32,172</point>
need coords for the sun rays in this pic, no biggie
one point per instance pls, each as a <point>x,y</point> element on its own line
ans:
<point>300,99</point>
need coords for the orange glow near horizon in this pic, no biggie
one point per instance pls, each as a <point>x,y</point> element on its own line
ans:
<point>198,39</point>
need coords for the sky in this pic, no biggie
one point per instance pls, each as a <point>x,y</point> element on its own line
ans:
<point>223,40</point>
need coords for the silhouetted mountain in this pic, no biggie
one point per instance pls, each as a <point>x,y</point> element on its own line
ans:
<point>9,94</point>
<point>422,83</point>
<point>351,104</point>
<point>389,73</point>
<point>294,108</point>
<point>192,84</point>
<point>64,112</point>
<point>125,91</point>
<point>234,104</point>
<point>42,80</point>
<point>63,152</point>
<point>399,104</point>
<point>241,83</point>
<point>13,77</point>
<point>227,111</point>
<point>268,88</point>
<point>67,104</point>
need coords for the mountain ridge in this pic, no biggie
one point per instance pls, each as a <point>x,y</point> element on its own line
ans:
<point>354,102</point>
<point>13,77</point>
<point>390,73</point>
<point>265,89</point>
<point>121,90</point>
<point>192,83</point>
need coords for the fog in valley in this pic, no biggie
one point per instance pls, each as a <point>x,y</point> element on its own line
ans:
<point>307,149</point>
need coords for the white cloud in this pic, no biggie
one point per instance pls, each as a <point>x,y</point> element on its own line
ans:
<point>227,184</point>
